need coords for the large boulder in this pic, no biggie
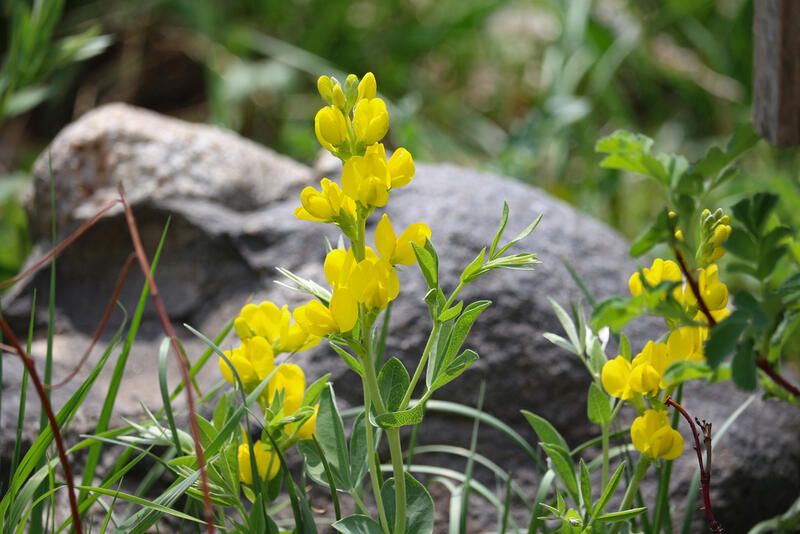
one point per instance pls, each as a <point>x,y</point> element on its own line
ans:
<point>230,204</point>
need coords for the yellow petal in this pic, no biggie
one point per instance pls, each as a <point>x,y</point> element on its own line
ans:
<point>385,238</point>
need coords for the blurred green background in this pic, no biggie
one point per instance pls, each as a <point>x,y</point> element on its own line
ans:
<point>521,88</point>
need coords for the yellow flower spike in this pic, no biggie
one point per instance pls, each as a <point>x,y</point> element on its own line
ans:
<point>370,121</point>
<point>309,427</point>
<point>366,178</point>
<point>254,360</point>
<point>330,126</point>
<point>686,343</point>
<point>401,168</point>
<point>325,88</point>
<point>375,283</point>
<point>367,87</point>
<point>289,379</point>
<point>267,462</point>
<point>329,204</point>
<point>615,377</point>
<point>660,271</point>
<point>653,436</point>
<point>319,320</point>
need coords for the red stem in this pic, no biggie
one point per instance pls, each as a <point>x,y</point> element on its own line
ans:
<point>762,362</point>
<point>186,377</point>
<point>705,476</point>
<point>27,361</point>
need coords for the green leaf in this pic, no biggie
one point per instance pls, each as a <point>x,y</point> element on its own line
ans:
<point>568,325</point>
<point>544,430</point>
<point>586,486</point>
<point>744,366</point>
<point>348,358</point>
<point>411,416</point>
<point>455,368</point>
<point>393,380</point>
<point>428,264</point>
<point>716,160</point>
<point>357,524</point>
<point>609,490</point>
<point>500,230</point>
<point>314,390</point>
<point>359,454</point>
<point>419,505</point>
<point>658,232</point>
<point>740,244</point>
<point>684,370</point>
<point>624,515</point>
<point>724,337</point>
<point>562,465</point>
<point>469,271</point>
<point>460,331</point>
<point>330,434</point>
<point>560,342</point>
<point>598,407</point>
<point>452,312</point>
<point>630,152</point>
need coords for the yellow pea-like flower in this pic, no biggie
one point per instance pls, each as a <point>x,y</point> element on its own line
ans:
<point>397,250</point>
<point>340,316</point>
<point>649,367</point>
<point>329,204</point>
<point>330,126</point>
<point>370,121</point>
<point>289,379</point>
<point>615,377</point>
<point>401,168</point>
<point>293,338</point>
<point>653,436</point>
<point>254,360</point>
<point>367,87</point>
<point>686,343</point>
<point>262,320</point>
<point>375,283</point>
<point>267,462</point>
<point>660,271</point>
<point>309,427</point>
<point>338,267</point>
<point>366,178</point>
<point>713,291</point>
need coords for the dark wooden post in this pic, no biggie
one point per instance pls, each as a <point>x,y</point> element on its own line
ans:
<point>776,57</point>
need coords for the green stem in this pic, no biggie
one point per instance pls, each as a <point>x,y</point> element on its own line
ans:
<point>633,487</point>
<point>604,479</point>
<point>396,452</point>
<point>420,366</point>
<point>374,468</point>
<point>359,502</point>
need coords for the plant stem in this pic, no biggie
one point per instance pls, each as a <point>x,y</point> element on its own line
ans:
<point>420,366</point>
<point>633,487</point>
<point>604,479</point>
<point>374,468</point>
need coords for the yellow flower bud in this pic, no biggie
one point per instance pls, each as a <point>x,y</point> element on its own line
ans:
<point>370,121</point>
<point>254,360</point>
<point>291,381</point>
<point>653,436</point>
<point>325,88</point>
<point>678,234</point>
<point>338,97</point>
<point>267,462</point>
<point>330,204</point>
<point>615,377</point>
<point>331,127</point>
<point>397,250</point>
<point>721,234</point>
<point>660,271</point>
<point>401,168</point>
<point>309,427</point>
<point>366,178</point>
<point>368,87</point>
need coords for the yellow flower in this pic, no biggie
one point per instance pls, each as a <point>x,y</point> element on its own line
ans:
<point>721,234</point>
<point>375,283</point>
<point>319,320</point>
<point>309,427</point>
<point>253,360</point>
<point>397,250</point>
<point>338,267</point>
<point>330,126</point>
<point>649,367</point>
<point>275,325</point>
<point>616,376</point>
<point>712,290</point>
<point>267,462</point>
<point>401,168</point>
<point>660,271</point>
<point>653,436</point>
<point>686,343</point>
<point>370,121</point>
<point>325,88</point>
<point>366,178</point>
<point>289,379</point>
<point>327,205</point>
<point>367,87</point>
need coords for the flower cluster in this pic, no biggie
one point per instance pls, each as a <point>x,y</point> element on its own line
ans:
<point>643,377</point>
<point>363,280</point>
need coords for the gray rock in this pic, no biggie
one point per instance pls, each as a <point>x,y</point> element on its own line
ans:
<point>231,207</point>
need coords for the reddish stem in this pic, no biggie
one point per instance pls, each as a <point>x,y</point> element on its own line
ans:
<point>762,362</point>
<point>186,377</point>
<point>27,361</point>
<point>705,475</point>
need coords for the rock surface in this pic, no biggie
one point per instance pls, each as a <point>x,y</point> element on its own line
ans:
<point>231,203</point>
